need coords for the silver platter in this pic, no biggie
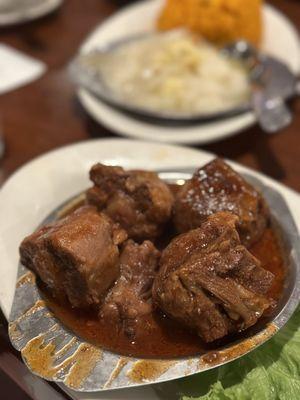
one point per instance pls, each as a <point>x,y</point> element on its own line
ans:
<point>52,352</point>
<point>20,11</point>
<point>267,72</point>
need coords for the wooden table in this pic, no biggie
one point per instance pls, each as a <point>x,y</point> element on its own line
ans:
<point>46,114</point>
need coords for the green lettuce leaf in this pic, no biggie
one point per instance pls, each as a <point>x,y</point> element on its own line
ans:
<point>272,372</point>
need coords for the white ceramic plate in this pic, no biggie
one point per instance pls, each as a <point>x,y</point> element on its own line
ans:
<point>46,182</point>
<point>280,40</point>
<point>19,11</point>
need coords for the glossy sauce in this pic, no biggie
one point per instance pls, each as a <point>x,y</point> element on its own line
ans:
<point>162,337</point>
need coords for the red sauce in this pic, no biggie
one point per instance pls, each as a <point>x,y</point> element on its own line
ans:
<point>270,253</point>
<point>162,337</point>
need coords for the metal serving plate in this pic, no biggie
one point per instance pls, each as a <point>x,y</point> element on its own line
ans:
<point>266,71</point>
<point>85,75</point>
<point>53,352</point>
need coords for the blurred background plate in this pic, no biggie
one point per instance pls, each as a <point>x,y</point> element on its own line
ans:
<point>280,40</point>
<point>19,11</point>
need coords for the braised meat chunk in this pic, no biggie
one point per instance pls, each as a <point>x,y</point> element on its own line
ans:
<point>138,200</point>
<point>210,282</point>
<point>217,187</point>
<point>130,298</point>
<point>77,256</point>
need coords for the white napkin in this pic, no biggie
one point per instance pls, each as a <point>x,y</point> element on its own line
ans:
<point>17,69</point>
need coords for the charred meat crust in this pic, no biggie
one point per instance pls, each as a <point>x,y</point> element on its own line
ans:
<point>217,187</point>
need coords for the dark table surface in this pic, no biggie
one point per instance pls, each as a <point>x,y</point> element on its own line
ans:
<point>46,114</point>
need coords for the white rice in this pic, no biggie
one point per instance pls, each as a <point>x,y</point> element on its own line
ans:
<point>176,73</point>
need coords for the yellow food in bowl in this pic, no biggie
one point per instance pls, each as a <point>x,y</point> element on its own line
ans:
<point>219,21</point>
